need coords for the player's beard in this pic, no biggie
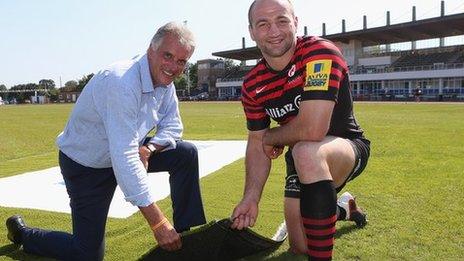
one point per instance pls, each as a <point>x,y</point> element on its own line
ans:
<point>268,50</point>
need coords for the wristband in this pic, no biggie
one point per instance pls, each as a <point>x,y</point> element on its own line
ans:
<point>155,227</point>
<point>151,148</point>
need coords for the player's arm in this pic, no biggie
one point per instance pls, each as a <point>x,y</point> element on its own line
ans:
<point>257,166</point>
<point>317,100</point>
<point>311,124</point>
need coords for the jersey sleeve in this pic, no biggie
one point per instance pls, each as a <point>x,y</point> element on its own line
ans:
<point>324,70</point>
<point>255,114</point>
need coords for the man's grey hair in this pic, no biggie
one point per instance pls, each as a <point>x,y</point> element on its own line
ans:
<point>184,35</point>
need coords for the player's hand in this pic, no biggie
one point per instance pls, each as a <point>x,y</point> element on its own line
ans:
<point>144,154</point>
<point>244,214</point>
<point>167,237</point>
<point>273,152</point>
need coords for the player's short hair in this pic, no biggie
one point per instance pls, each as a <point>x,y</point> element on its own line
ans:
<point>253,5</point>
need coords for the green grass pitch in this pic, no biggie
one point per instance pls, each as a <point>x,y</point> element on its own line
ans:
<point>412,188</point>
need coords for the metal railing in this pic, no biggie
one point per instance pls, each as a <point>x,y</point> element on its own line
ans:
<point>407,68</point>
<point>358,70</point>
<point>229,79</point>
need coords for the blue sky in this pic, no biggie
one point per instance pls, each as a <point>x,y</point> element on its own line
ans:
<point>49,39</point>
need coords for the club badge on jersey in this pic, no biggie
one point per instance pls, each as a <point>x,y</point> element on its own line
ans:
<point>318,75</point>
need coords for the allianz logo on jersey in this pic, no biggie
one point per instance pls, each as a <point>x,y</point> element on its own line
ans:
<point>281,111</point>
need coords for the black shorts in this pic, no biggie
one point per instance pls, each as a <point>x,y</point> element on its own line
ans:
<point>361,147</point>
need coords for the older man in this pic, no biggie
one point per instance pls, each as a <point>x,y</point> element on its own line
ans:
<point>105,144</point>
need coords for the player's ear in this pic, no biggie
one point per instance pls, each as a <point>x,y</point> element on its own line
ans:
<point>250,30</point>
<point>295,20</point>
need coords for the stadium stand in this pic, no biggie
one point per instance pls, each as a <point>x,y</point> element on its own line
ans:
<point>378,71</point>
<point>423,59</point>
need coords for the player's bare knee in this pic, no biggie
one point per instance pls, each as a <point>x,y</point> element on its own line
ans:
<point>308,156</point>
<point>303,151</point>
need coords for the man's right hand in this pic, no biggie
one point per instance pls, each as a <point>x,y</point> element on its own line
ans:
<point>272,152</point>
<point>244,214</point>
<point>167,237</point>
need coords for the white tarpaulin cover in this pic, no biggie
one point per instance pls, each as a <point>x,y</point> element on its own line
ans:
<point>45,189</point>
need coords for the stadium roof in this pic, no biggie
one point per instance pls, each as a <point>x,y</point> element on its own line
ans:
<point>437,27</point>
<point>444,26</point>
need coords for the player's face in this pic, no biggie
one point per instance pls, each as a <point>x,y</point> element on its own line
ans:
<point>168,60</point>
<point>273,27</point>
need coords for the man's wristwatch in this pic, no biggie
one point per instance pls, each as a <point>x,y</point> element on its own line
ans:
<point>151,147</point>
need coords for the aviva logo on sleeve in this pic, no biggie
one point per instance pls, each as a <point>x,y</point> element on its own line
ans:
<point>318,75</point>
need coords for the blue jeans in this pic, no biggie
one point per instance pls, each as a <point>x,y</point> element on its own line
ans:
<point>91,191</point>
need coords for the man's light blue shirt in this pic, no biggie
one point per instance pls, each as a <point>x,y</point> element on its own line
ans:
<point>112,116</point>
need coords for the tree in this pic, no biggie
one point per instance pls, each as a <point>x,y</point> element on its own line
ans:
<point>230,66</point>
<point>47,84</point>
<point>53,94</point>
<point>83,81</point>
<point>3,95</point>
<point>181,82</point>
<point>70,86</point>
<point>27,91</point>
<point>193,75</point>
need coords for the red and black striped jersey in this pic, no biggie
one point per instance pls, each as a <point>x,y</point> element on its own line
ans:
<point>317,71</point>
